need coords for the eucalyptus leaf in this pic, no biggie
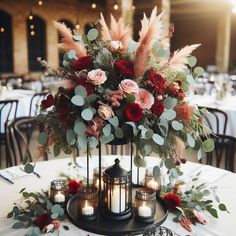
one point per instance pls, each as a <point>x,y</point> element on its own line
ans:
<point>170,102</point>
<point>222,207</point>
<point>81,142</point>
<point>119,132</point>
<point>72,54</point>
<point>192,61</point>
<point>190,140</point>
<point>42,138</point>
<point>87,114</point>
<point>169,114</point>
<point>158,139</point>
<point>107,130</point>
<point>77,100</point>
<point>56,150</point>
<point>93,142</point>
<point>139,161</point>
<point>92,34</point>
<point>81,91</point>
<point>70,137</point>
<point>29,168</point>
<point>199,71</point>
<point>18,225</point>
<point>176,125</point>
<point>169,163</point>
<point>80,128</point>
<point>92,98</point>
<point>77,38</point>
<point>190,79</point>
<point>148,149</point>
<point>114,121</point>
<point>208,145</point>
<point>199,154</point>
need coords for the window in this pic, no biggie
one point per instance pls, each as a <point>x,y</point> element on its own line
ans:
<point>36,33</point>
<point>71,27</point>
<point>6,57</point>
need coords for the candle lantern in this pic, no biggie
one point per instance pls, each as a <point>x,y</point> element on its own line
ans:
<point>59,191</point>
<point>87,203</point>
<point>151,182</point>
<point>96,178</point>
<point>117,200</point>
<point>145,205</point>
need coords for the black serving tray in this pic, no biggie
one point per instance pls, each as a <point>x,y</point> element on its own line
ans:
<point>104,226</point>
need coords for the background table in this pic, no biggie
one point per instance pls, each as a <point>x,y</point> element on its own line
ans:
<point>50,170</point>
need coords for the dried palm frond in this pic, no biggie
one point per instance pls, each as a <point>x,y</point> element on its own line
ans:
<point>67,42</point>
<point>150,31</point>
<point>106,36</point>
<point>180,57</point>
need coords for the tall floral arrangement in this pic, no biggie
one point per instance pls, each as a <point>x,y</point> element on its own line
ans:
<point>114,88</point>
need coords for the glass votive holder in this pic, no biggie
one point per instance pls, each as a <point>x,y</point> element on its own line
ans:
<point>96,178</point>
<point>151,182</point>
<point>145,205</point>
<point>87,203</point>
<point>59,191</point>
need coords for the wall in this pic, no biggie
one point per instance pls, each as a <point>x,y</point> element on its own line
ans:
<point>50,10</point>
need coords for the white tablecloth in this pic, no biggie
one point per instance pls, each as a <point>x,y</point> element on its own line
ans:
<point>24,98</point>
<point>50,170</point>
<point>227,105</point>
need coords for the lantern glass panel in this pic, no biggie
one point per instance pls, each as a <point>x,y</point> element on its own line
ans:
<point>59,191</point>
<point>96,178</point>
<point>151,182</point>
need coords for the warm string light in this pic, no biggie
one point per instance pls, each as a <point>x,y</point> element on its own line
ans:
<point>32,27</point>
<point>77,26</point>
<point>116,7</point>
<point>31,16</point>
<point>40,3</point>
<point>133,7</point>
<point>32,33</point>
<point>2,29</point>
<point>94,5</point>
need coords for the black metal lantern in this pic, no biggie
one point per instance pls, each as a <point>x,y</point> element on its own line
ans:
<point>117,201</point>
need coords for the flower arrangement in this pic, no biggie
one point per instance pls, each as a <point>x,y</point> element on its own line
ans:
<point>190,199</point>
<point>114,88</point>
<point>36,209</point>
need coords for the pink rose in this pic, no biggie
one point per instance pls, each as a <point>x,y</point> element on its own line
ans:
<point>94,126</point>
<point>144,99</point>
<point>200,217</point>
<point>56,224</point>
<point>97,77</point>
<point>105,112</point>
<point>115,45</point>
<point>128,86</point>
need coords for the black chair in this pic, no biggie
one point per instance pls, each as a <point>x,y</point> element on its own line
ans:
<point>8,111</point>
<point>217,121</point>
<point>18,132</point>
<point>35,103</point>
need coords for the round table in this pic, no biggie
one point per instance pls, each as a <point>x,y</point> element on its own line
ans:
<point>50,170</point>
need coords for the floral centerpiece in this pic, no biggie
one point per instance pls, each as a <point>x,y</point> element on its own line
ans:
<point>114,88</point>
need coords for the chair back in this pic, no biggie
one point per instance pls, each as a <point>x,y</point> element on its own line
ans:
<point>35,103</point>
<point>223,154</point>
<point>216,120</point>
<point>22,136</point>
<point>8,111</point>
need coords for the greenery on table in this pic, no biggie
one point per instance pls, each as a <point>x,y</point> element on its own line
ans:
<point>33,206</point>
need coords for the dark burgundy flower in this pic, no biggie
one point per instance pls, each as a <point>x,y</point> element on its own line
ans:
<point>43,220</point>
<point>73,186</point>
<point>172,201</point>
<point>156,81</point>
<point>125,68</point>
<point>157,108</point>
<point>133,112</point>
<point>89,87</point>
<point>83,63</point>
<point>48,102</point>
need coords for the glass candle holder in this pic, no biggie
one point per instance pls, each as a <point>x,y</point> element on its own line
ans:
<point>87,203</point>
<point>145,205</point>
<point>59,191</point>
<point>96,178</point>
<point>151,182</point>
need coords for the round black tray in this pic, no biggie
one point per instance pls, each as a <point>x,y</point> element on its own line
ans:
<point>115,228</point>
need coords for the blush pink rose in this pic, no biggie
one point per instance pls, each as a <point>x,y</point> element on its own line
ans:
<point>128,86</point>
<point>56,224</point>
<point>144,99</point>
<point>200,217</point>
<point>105,112</point>
<point>96,77</point>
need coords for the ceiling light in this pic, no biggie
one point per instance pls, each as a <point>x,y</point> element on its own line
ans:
<point>94,5</point>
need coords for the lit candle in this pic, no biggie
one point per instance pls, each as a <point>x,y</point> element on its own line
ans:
<point>87,210</point>
<point>152,184</point>
<point>59,197</point>
<point>117,200</point>
<point>144,211</point>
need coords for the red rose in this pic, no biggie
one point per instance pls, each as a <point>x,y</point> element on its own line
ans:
<point>43,220</point>
<point>82,63</point>
<point>184,112</point>
<point>73,186</point>
<point>48,102</point>
<point>133,112</point>
<point>172,201</point>
<point>125,68</point>
<point>181,94</point>
<point>156,81</point>
<point>157,108</point>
